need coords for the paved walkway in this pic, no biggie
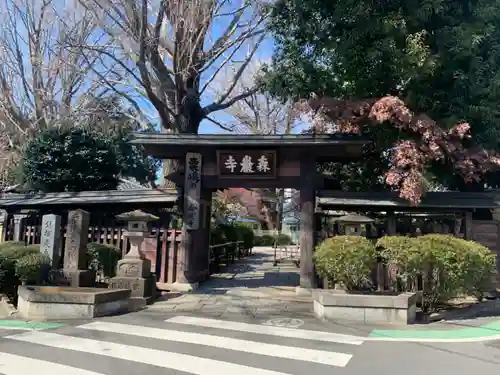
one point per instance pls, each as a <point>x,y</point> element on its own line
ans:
<point>252,286</point>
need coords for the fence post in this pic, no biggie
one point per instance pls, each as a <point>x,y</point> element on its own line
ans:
<point>3,224</point>
<point>19,220</point>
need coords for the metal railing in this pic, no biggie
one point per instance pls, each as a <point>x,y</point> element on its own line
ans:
<point>225,254</point>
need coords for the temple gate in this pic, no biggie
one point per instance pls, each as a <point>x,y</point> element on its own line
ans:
<point>211,162</point>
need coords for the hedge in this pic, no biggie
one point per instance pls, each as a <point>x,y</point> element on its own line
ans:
<point>102,258</point>
<point>230,233</point>
<point>21,264</point>
<point>270,240</point>
<point>346,260</point>
<point>447,266</point>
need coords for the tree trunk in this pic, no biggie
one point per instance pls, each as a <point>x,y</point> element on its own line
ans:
<point>172,166</point>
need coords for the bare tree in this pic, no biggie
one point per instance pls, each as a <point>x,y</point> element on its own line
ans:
<point>174,51</point>
<point>257,113</point>
<point>44,81</point>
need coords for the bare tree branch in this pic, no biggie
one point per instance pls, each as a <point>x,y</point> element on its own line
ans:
<point>177,47</point>
<point>252,111</point>
<point>45,79</point>
<point>257,113</point>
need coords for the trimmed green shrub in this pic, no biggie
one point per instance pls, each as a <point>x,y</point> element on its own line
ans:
<point>455,267</point>
<point>33,268</point>
<point>217,236</point>
<point>448,266</point>
<point>8,279</point>
<point>403,254</point>
<point>102,258</point>
<point>346,260</point>
<point>10,244</point>
<point>246,235</point>
<point>270,240</point>
<point>11,253</point>
<point>265,240</point>
<point>16,251</point>
<point>283,239</point>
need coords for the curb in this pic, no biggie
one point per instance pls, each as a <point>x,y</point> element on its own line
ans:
<point>27,326</point>
<point>488,332</point>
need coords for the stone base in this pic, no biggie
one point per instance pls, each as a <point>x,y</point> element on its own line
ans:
<point>366,309</point>
<point>52,302</point>
<point>79,278</point>
<point>140,286</point>
<point>139,303</point>
<point>300,291</point>
<point>133,267</point>
<point>184,287</point>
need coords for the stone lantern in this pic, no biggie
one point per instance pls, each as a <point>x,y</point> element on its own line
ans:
<point>134,270</point>
<point>353,223</point>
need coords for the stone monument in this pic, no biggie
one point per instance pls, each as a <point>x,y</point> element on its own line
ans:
<point>75,252</point>
<point>134,270</point>
<point>50,243</point>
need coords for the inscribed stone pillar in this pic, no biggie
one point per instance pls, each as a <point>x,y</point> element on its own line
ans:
<point>50,243</point>
<point>186,278</point>
<point>134,270</point>
<point>307,205</point>
<point>75,250</point>
<point>19,220</point>
<point>201,237</point>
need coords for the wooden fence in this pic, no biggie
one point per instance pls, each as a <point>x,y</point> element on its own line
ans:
<point>164,238</point>
<point>161,247</point>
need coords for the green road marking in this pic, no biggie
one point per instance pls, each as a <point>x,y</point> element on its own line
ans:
<point>488,330</point>
<point>28,325</point>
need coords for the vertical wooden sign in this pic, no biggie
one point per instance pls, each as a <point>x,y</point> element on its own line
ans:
<point>192,190</point>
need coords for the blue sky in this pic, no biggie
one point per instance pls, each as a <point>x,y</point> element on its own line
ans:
<point>219,25</point>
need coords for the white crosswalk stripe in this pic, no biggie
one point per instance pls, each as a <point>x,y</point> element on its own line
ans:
<point>267,330</point>
<point>118,341</point>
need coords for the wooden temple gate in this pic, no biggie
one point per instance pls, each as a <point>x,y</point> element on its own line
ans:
<point>211,162</point>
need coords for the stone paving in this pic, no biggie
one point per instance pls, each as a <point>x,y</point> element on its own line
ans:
<point>251,286</point>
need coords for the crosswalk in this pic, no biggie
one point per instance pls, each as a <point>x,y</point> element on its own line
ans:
<point>185,344</point>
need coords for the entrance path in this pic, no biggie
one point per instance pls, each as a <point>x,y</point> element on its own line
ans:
<point>251,286</point>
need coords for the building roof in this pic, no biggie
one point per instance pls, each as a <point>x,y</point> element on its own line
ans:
<point>174,145</point>
<point>84,198</point>
<point>124,183</point>
<point>331,199</point>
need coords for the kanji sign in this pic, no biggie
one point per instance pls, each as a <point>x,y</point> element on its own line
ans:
<point>250,163</point>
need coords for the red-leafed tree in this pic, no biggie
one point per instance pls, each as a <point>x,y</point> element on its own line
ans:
<point>245,202</point>
<point>419,143</point>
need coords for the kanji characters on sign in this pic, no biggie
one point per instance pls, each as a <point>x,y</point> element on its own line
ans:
<point>252,162</point>
<point>246,164</point>
<point>231,163</point>
<point>263,164</point>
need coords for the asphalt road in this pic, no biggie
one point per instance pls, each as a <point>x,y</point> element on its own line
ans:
<point>199,344</point>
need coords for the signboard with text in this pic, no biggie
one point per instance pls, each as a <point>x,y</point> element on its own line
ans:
<point>249,163</point>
